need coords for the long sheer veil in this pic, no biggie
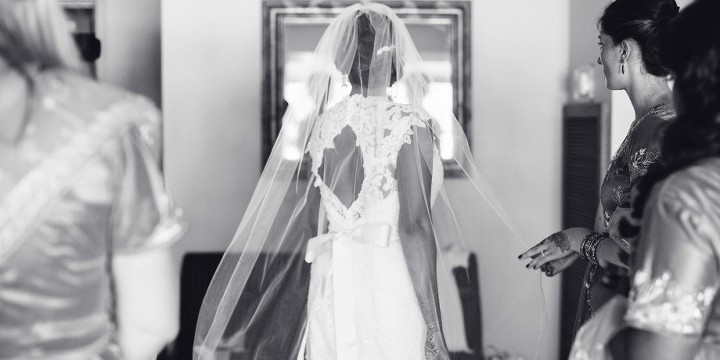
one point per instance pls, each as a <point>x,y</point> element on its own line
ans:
<point>256,302</point>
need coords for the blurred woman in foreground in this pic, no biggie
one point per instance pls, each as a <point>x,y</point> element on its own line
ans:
<point>85,270</point>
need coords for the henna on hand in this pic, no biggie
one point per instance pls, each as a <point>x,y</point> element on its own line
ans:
<point>561,241</point>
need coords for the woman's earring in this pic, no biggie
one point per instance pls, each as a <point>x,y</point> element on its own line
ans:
<point>345,81</point>
<point>622,66</point>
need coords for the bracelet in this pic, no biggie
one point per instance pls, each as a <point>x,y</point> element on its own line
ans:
<point>589,245</point>
<point>592,248</point>
<point>584,245</point>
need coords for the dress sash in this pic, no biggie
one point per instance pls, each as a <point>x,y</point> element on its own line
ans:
<point>342,267</point>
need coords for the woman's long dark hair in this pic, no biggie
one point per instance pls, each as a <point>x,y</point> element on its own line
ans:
<point>692,53</point>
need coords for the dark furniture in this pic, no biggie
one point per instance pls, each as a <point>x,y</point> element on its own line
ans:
<point>586,141</point>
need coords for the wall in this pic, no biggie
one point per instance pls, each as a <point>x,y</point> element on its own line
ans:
<point>518,91</point>
<point>130,34</point>
<point>584,49</point>
<point>211,98</point>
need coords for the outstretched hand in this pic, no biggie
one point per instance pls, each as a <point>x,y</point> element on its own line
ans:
<point>556,252</point>
<point>555,267</point>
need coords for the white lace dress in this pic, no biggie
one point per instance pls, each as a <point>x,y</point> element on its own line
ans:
<point>362,304</point>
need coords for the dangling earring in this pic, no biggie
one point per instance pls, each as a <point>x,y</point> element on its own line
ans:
<point>622,66</point>
<point>345,81</point>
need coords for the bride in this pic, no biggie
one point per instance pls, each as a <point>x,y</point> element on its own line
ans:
<point>336,256</point>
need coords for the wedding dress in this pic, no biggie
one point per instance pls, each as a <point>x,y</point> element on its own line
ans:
<point>337,254</point>
<point>360,289</point>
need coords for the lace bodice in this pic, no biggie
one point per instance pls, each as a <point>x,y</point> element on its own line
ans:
<point>379,149</point>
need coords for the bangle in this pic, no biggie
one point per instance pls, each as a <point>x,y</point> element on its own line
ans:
<point>584,245</point>
<point>591,247</point>
<point>588,245</point>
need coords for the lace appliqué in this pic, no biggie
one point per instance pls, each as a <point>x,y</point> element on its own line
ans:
<point>433,350</point>
<point>361,114</point>
<point>379,157</point>
<point>663,305</point>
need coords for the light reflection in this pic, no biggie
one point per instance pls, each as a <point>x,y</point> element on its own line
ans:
<point>299,109</point>
<point>439,104</point>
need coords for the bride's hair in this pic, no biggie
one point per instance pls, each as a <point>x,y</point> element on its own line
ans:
<point>35,34</point>
<point>360,69</point>
<point>692,54</point>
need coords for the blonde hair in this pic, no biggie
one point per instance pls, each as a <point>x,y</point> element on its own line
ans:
<point>34,34</point>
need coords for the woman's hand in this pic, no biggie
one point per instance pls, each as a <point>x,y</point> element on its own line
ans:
<point>559,250</point>
<point>555,267</point>
<point>613,227</point>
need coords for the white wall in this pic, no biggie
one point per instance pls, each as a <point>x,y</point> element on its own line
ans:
<point>520,62</point>
<point>212,105</point>
<point>584,49</point>
<point>129,31</point>
<point>211,100</point>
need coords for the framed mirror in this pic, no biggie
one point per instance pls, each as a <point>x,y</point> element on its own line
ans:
<point>292,29</point>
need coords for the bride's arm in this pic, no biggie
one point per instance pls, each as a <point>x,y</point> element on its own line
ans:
<point>414,176</point>
<point>415,228</point>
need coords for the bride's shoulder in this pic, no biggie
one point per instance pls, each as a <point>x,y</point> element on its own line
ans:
<point>335,109</point>
<point>414,113</point>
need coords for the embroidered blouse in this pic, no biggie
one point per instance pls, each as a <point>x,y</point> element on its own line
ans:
<point>677,269</point>
<point>639,149</point>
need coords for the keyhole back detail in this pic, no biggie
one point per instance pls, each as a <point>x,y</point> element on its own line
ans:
<point>375,126</point>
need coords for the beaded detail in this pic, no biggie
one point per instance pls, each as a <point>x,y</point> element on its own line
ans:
<point>662,304</point>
